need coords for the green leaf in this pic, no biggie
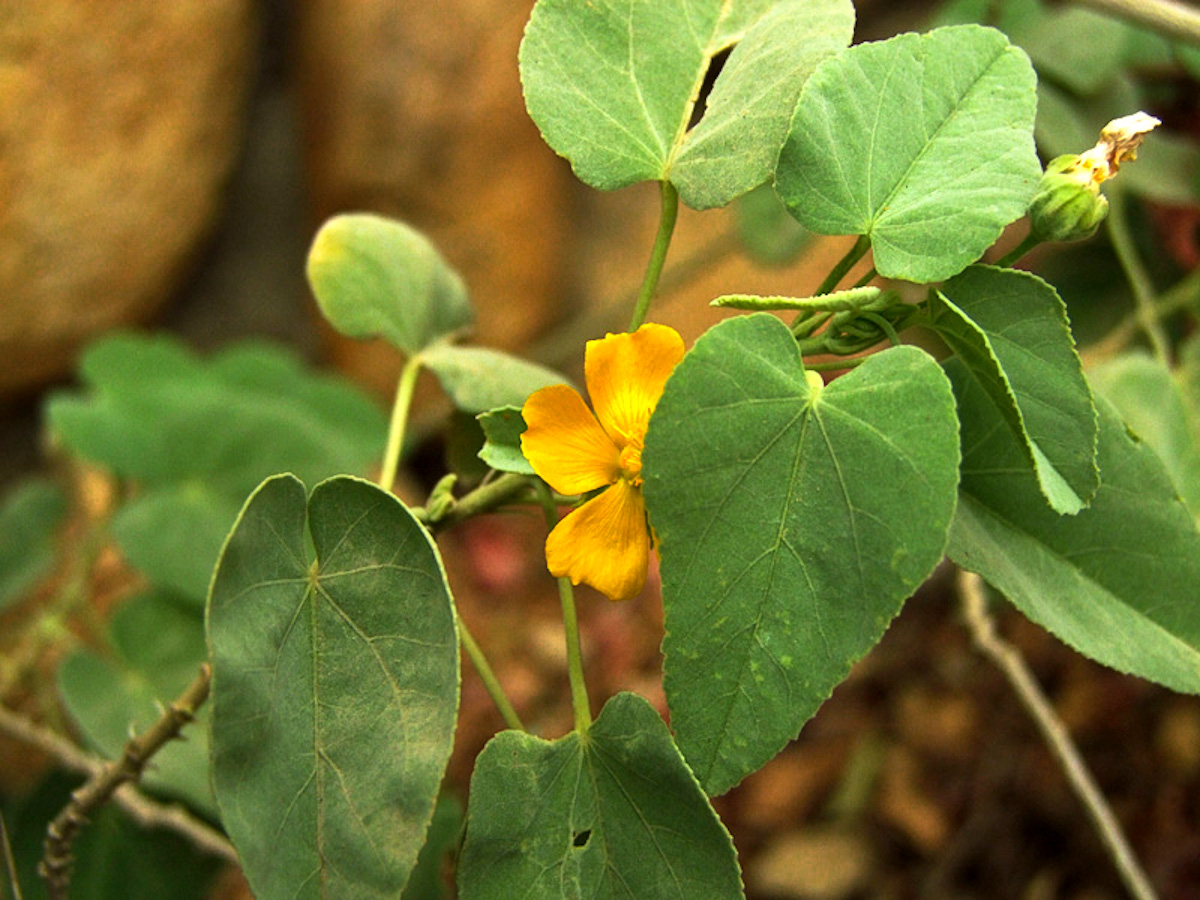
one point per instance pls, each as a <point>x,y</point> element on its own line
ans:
<point>173,534</point>
<point>792,523</point>
<point>1079,49</point>
<point>922,142</point>
<point>503,428</point>
<point>769,235</point>
<point>1118,581</point>
<point>335,688</point>
<point>377,277</point>
<point>155,412</point>
<point>1010,329</point>
<point>613,84</point>
<point>29,520</point>
<point>1152,404</point>
<point>615,813</point>
<point>159,646</point>
<point>478,378</point>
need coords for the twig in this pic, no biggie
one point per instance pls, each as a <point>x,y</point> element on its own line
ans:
<point>1168,18</point>
<point>1136,275</point>
<point>10,865</point>
<point>1006,657</point>
<point>106,779</point>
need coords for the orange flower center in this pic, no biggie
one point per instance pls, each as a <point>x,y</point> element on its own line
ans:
<point>631,463</point>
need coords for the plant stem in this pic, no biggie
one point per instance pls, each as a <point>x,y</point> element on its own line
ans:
<point>57,861</point>
<point>1164,16</point>
<point>870,275</point>
<point>488,676</point>
<point>483,499</point>
<point>1135,274</point>
<point>566,595</point>
<point>844,265</point>
<point>666,227</point>
<point>140,808</point>
<point>400,408</point>
<point>1178,297</point>
<point>1012,665</point>
<point>1013,255</point>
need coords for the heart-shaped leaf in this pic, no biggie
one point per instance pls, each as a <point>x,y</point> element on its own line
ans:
<point>1118,581</point>
<point>793,523</point>
<point>335,689</point>
<point>924,143</point>
<point>376,277</point>
<point>613,85</point>
<point>1010,330</point>
<point>613,813</point>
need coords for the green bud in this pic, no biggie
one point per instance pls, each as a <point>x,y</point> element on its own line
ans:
<point>1068,205</point>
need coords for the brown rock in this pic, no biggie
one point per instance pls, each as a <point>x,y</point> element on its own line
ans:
<point>415,110</point>
<point>119,126</point>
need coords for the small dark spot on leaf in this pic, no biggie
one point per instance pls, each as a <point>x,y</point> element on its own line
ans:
<point>581,837</point>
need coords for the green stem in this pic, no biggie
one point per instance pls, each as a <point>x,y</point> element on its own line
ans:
<point>666,227</point>
<point>483,499</point>
<point>838,272</point>
<point>835,365</point>
<point>1170,19</point>
<point>871,274</point>
<point>566,594</point>
<point>1136,274</point>
<point>1013,255</point>
<point>403,403</point>
<point>488,676</point>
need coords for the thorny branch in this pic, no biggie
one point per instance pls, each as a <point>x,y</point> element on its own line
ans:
<point>111,780</point>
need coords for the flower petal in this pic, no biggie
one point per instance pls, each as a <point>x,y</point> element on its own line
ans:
<point>625,377</point>
<point>565,444</point>
<point>604,543</point>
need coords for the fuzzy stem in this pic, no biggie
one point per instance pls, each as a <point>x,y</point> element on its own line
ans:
<point>399,423</point>
<point>658,256</point>
<point>844,265</point>
<point>1015,254</point>
<point>566,596</point>
<point>488,676</point>
<point>1012,665</point>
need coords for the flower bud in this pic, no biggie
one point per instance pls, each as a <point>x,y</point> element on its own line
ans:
<point>1068,205</point>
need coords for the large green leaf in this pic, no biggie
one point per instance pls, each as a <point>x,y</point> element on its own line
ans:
<point>30,515</point>
<point>158,647</point>
<point>377,277</point>
<point>173,533</point>
<point>479,378</point>
<point>924,143</point>
<point>335,689</point>
<point>793,523</point>
<point>613,85</point>
<point>1010,329</point>
<point>1118,581</point>
<point>1152,404</point>
<point>156,412</point>
<point>614,813</point>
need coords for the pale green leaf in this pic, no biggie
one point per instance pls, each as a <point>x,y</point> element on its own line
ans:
<point>30,516</point>
<point>613,84</point>
<point>503,428</point>
<point>1010,329</point>
<point>335,689</point>
<point>792,526</point>
<point>1149,399</point>
<point>377,277</point>
<point>1118,581</point>
<point>479,378</point>
<point>615,813</point>
<point>923,143</point>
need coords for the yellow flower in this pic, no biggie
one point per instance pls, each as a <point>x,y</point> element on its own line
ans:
<point>606,541</point>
